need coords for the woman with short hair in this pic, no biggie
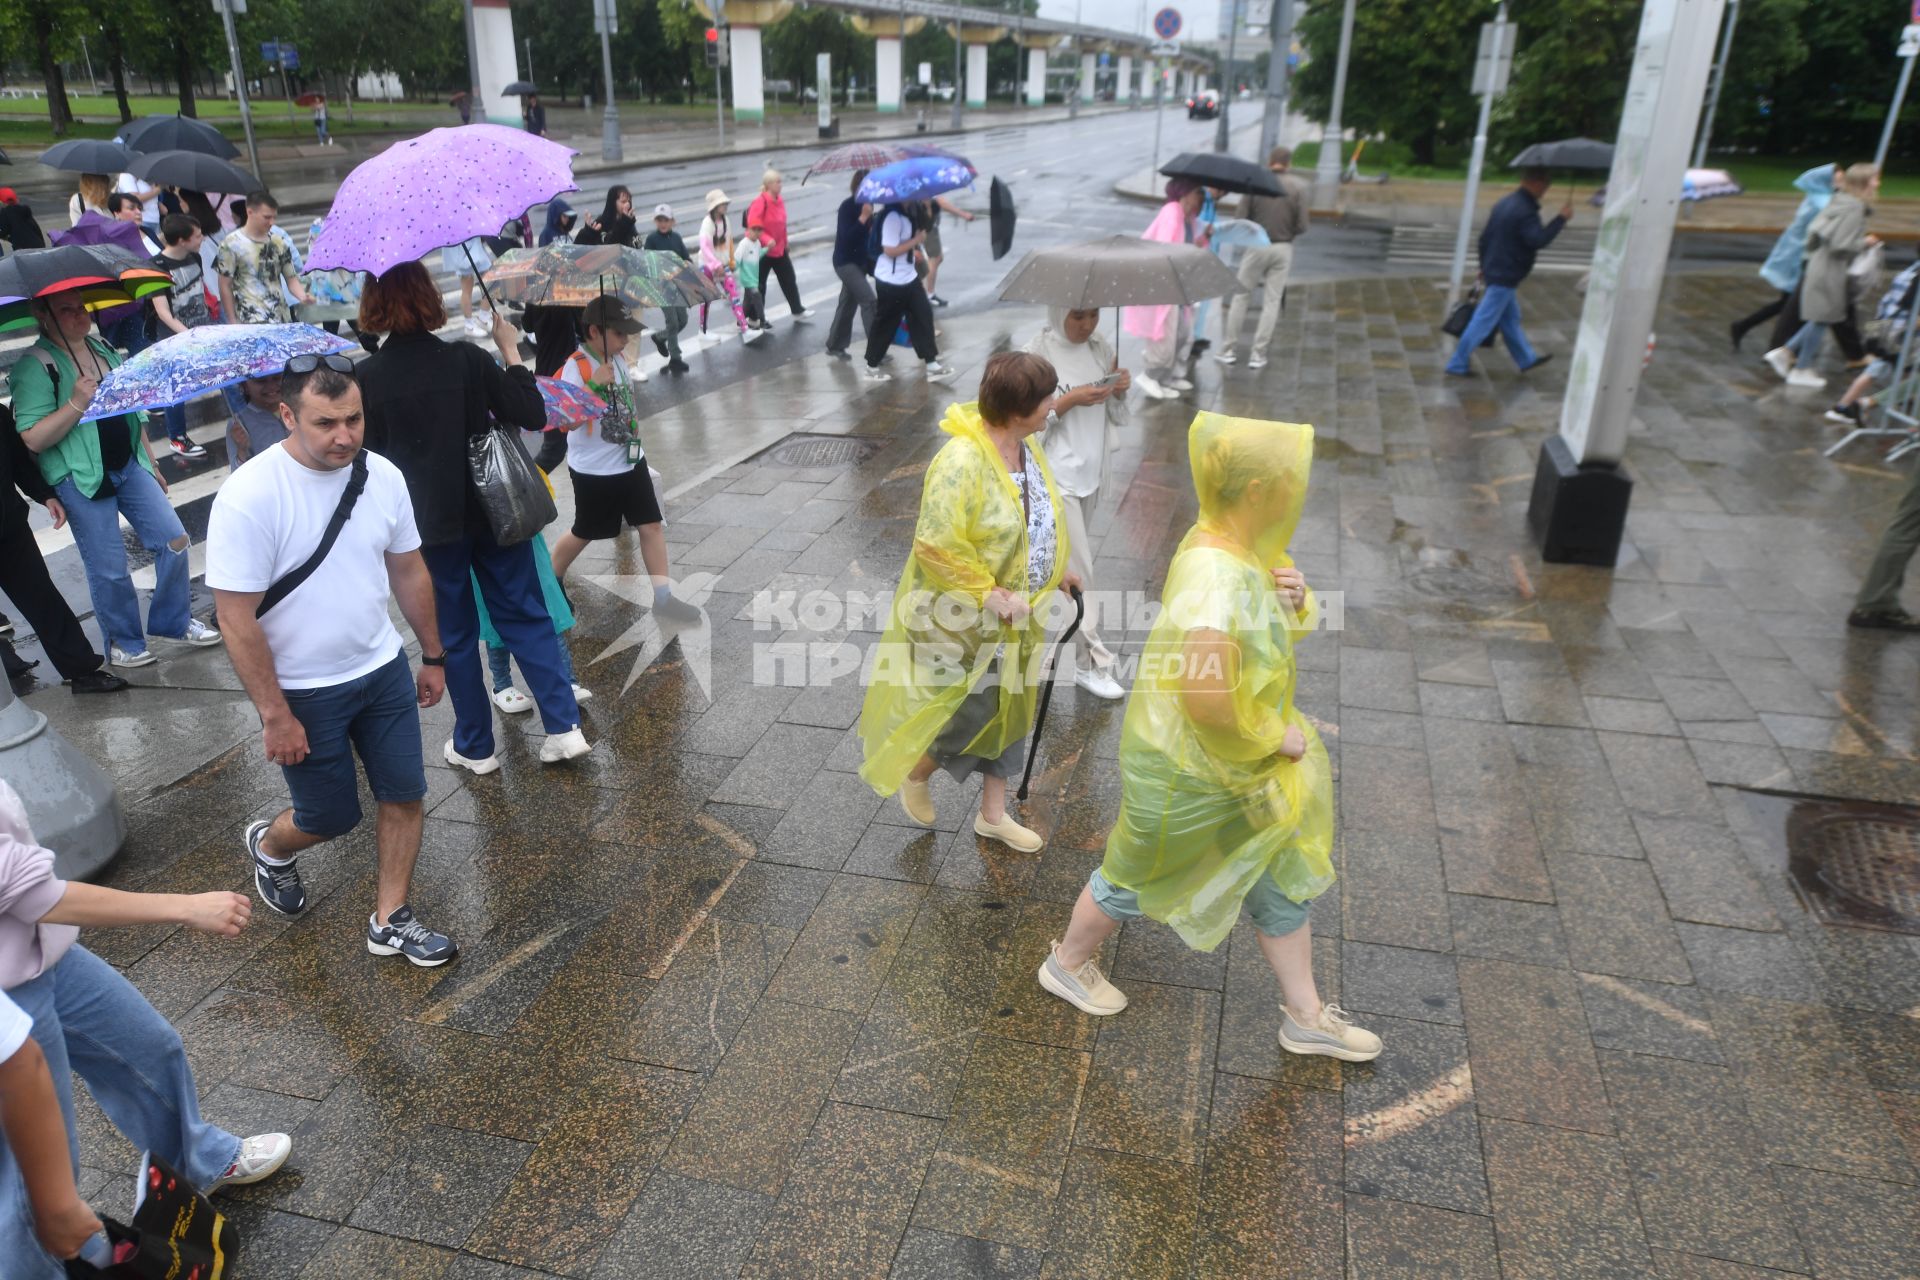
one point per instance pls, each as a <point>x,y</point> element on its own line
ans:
<point>769,213</point>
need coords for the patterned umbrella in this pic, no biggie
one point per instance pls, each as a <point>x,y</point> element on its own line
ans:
<point>568,404</point>
<point>177,368</point>
<point>876,155</point>
<point>572,275</point>
<point>438,189</point>
<point>105,275</point>
<point>920,178</point>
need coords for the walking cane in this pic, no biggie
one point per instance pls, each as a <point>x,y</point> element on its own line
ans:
<point>1046,688</point>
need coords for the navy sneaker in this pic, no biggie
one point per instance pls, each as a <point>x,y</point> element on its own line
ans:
<point>277,884</point>
<point>402,935</point>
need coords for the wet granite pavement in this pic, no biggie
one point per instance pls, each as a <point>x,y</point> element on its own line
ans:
<point>721,1012</point>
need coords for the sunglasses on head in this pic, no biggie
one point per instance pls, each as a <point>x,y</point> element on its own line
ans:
<point>304,364</point>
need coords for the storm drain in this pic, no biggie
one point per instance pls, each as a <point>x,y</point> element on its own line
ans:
<point>1851,862</point>
<point>812,451</point>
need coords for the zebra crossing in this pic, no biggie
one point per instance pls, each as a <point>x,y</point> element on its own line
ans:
<point>1430,244</point>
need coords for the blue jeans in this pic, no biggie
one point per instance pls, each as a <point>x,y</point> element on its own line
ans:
<point>1499,309</point>
<point>511,585</point>
<point>500,664</point>
<point>376,716</point>
<point>96,531</point>
<point>176,417</point>
<point>1805,344</point>
<point>91,1021</point>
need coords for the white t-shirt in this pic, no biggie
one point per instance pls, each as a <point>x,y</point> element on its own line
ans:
<point>267,520</point>
<point>15,1027</point>
<point>897,229</point>
<point>149,208</point>
<point>587,452</point>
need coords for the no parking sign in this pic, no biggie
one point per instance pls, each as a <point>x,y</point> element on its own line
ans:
<point>1166,23</point>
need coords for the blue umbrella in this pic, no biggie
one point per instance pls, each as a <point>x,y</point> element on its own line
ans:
<point>176,369</point>
<point>920,178</point>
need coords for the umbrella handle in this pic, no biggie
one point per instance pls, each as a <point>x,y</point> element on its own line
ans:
<point>1046,689</point>
<point>466,248</point>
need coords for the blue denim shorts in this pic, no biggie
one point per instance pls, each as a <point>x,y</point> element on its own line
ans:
<point>1273,912</point>
<point>376,717</point>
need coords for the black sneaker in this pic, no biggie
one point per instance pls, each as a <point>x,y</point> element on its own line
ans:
<point>402,935</point>
<point>277,884</point>
<point>840,353</point>
<point>660,343</point>
<point>1198,347</point>
<point>1883,620</point>
<point>98,681</point>
<point>936,300</point>
<point>677,365</point>
<point>1845,413</point>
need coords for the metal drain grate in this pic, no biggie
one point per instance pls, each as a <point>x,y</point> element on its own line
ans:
<point>1851,862</point>
<point>822,451</point>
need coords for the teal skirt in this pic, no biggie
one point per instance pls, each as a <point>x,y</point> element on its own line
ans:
<point>557,607</point>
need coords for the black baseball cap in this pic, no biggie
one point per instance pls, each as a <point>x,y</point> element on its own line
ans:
<point>610,313</point>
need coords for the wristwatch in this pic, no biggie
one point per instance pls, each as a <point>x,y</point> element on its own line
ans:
<point>440,661</point>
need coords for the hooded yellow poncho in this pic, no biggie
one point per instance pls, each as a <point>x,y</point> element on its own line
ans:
<point>1208,805</point>
<point>941,639</point>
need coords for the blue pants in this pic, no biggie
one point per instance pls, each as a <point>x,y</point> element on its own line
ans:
<point>91,1021</point>
<point>1805,344</point>
<point>1499,309</point>
<point>96,531</point>
<point>511,585</point>
<point>500,664</point>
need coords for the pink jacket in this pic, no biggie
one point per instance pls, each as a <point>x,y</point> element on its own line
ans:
<point>1169,227</point>
<point>769,212</point>
<point>28,890</point>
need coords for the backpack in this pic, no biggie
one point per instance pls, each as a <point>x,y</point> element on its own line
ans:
<point>875,250</point>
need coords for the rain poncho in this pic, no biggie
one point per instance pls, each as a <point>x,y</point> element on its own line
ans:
<point>1782,267</point>
<point>941,639</point>
<point>1208,804</point>
<point>1171,226</point>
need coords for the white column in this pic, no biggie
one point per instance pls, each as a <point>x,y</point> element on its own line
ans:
<point>1036,77</point>
<point>976,75</point>
<point>886,77</point>
<point>1126,78</point>
<point>749,97</point>
<point>1087,64</point>
<point>494,49</point>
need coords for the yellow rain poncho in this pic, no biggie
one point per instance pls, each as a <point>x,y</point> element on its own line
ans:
<point>941,640</point>
<point>1208,804</point>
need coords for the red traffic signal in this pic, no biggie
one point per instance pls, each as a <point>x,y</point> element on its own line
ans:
<point>713,35</point>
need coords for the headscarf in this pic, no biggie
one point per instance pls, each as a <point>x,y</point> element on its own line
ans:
<point>1077,442</point>
<point>560,218</point>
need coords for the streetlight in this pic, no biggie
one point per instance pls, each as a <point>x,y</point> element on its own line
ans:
<point>1220,130</point>
<point>1278,68</point>
<point>606,20</point>
<point>1491,79</point>
<point>1326,173</point>
<point>227,9</point>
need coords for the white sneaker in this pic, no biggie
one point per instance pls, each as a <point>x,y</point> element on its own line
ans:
<point>1180,384</point>
<point>1781,360</point>
<point>570,745</point>
<point>512,701</point>
<point>916,798</point>
<point>878,375</point>
<point>260,1157</point>
<point>937,372</point>
<point>474,327</point>
<point>635,373</point>
<point>200,634</point>
<point>751,336</point>
<point>1085,988</point>
<point>1805,378</point>
<point>1333,1036</point>
<point>1150,387</point>
<point>581,693</point>
<point>480,767</point>
<point>119,657</point>
<point>1099,684</point>
<point>1225,356</point>
<point>1256,362</point>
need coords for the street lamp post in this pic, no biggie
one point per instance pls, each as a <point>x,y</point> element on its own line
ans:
<point>239,81</point>
<point>606,19</point>
<point>1719,79</point>
<point>1278,70</point>
<point>527,43</point>
<point>1326,173</point>
<point>1893,112</point>
<point>1073,93</point>
<point>1220,130</point>
<point>959,76</point>
<point>1491,89</point>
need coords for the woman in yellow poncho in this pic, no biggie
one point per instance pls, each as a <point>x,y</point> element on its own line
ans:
<point>953,680</point>
<point>1227,795</point>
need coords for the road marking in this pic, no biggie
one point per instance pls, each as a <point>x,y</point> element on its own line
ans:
<point>1652,1004</point>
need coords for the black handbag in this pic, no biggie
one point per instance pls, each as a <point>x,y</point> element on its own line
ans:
<point>1462,315</point>
<point>511,489</point>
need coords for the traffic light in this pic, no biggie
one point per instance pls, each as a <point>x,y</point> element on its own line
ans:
<point>713,46</point>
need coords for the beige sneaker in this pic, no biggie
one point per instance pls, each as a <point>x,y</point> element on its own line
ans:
<point>1009,833</point>
<point>917,799</point>
<point>1333,1036</point>
<point>1085,988</point>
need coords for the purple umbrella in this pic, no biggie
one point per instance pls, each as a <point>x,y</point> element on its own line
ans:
<point>441,188</point>
<point>94,229</point>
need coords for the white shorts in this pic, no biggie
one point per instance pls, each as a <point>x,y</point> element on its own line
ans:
<point>453,259</point>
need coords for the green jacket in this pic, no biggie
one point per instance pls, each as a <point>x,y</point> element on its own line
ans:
<point>35,395</point>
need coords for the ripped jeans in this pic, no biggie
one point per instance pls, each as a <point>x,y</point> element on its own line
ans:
<point>136,495</point>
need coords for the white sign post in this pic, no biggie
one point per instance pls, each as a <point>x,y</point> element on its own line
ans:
<point>823,77</point>
<point>1490,70</point>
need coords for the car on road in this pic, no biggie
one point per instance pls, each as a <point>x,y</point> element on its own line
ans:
<point>1204,105</point>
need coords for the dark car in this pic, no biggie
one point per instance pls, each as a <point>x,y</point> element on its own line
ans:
<point>1204,106</point>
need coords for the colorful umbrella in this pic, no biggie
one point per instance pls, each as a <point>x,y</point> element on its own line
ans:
<point>309,99</point>
<point>876,155</point>
<point>1708,184</point>
<point>178,368</point>
<point>568,404</point>
<point>177,133</point>
<point>572,275</point>
<point>106,276</point>
<point>920,178</point>
<point>438,189</point>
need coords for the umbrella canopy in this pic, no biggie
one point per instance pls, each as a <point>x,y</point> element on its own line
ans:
<point>1708,184</point>
<point>1120,271</point>
<point>918,178</point>
<point>177,368</point>
<point>1001,216</point>
<point>194,170</point>
<point>519,88</point>
<point>86,155</point>
<point>572,275</point>
<point>568,404</point>
<point>438,189</point>
<point>309,99</point>
<point>1568,153</point>
<point>105,276</point>
<point>1223,172</point>
<point>177,133</point>
<point>877,155</point>
<point>4,159</point>
<point>94,229</point>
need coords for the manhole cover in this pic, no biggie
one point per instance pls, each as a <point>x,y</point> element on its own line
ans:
<point>822,451</point>
<point>1852,862</point>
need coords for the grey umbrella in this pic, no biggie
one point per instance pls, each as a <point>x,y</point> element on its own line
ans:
<point>1120,271</point>
<point>86,155</point>
<point>193,170</point>
<point>1568,153</point>
<point>518,89</point>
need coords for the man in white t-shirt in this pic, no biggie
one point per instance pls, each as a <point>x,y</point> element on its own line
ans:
<point>898,296</point>
<point>324,666</point>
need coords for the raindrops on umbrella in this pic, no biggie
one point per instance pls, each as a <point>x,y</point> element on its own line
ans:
<point>178,368</point>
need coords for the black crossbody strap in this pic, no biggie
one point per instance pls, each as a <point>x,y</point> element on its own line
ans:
<point>288,585</point>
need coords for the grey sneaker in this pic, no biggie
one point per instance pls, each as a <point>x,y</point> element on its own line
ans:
<point>1333,1036</point>
<point>402,935</point>
<point>1085,988</point>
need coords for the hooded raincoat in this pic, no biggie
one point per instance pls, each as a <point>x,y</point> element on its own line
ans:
<point>1208,806</point>
<point>1171,226</point>
<point>941,640</point>
<point>1782,267</point>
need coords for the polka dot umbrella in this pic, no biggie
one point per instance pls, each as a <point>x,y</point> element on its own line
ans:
<point>1120,271</point>
<point>441,188</point>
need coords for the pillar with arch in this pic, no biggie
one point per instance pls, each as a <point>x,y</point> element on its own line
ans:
<point>976,39</point>
<point>1125,91</point>
<point>499,65</point>
<point>744,20</point>
<point>1038,47</point>
<point>888,33</point>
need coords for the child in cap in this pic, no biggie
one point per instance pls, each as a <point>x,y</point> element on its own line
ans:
<point>664,239</point>
<point>612,488</point>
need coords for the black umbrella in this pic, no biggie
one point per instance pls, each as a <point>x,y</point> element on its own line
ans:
<point>193,170</point>
<point>4,159</point>
<point>178,133</point>
<point>519,88</point>
<point>1568,153</point>
<point>1223,172</point>
<point>86,155</point>
<point>1001,215</point>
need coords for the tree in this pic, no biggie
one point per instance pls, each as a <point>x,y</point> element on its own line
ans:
<point>1570,73</point>
<point>1409,75</point>
<point>195,39</point>
<point>48,26</point>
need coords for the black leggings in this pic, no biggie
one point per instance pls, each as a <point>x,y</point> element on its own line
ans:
<point>892,302</point>
<point>1764,314</point>
<point>781,268</point>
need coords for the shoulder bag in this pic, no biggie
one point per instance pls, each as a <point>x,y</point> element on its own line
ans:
<point>286,586</point>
